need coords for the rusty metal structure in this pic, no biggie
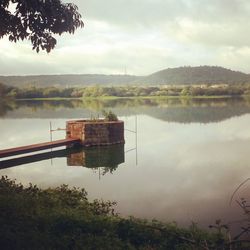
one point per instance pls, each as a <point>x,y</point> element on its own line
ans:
<point>79,132</point>
<point>96,132</point>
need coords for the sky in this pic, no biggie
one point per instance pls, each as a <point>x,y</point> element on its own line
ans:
<point>140,37</point>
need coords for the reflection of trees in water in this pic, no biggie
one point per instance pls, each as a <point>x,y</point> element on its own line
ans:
<point>105,170</point>
<point>107,158</point>
<point>198,114</point>
<point>6,107</point>
<point>98,104</point>
<point>182,110</point>
<point>49,104</point>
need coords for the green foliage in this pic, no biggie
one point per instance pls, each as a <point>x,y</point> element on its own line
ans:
<point>59,218</point>
<point>124,91</point>
<point>109,116</point>
<point>37,21</point>
<point>63,218</point>
<point>3,90</point>
<point>7,92</point>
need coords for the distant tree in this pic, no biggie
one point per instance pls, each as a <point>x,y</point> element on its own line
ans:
<point>185,91</point>
<point>38,21</point>
<point>2,90</point>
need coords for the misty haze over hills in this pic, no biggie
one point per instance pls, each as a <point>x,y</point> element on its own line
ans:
<point>175,76</point>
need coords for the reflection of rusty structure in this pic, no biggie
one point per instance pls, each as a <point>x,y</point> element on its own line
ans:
<point>96,132</point>
<point>76,159</point>
<point>98,157</point>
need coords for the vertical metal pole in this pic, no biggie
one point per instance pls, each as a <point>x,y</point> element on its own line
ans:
<point>50,130</point>
<point>99,160</point>
<point>136,140</point>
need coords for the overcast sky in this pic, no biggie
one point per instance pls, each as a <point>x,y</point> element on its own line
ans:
<point>140,37</point>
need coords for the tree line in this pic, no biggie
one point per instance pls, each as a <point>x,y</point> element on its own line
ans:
<point>123,91</point>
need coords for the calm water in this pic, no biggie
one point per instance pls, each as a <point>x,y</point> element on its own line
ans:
<point>189,158</point>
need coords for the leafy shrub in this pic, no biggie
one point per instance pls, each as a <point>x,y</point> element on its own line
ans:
<point>109,116</point>
<point>63,218</point>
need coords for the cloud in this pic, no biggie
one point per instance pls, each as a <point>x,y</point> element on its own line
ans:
<point>142,36</point>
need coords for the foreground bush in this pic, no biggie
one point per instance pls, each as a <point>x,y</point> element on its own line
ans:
<point>63,218</point>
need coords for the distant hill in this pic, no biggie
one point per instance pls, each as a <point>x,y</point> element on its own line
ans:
<point>196,75</point>
<point>175,76</point>
<point>68,80</point>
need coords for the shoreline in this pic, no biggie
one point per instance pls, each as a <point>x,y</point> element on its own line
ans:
<point>132,98</point>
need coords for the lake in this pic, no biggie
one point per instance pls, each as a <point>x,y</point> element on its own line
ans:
<point>183,164</point>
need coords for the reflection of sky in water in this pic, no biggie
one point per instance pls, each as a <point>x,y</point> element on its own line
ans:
<point>185,171</point>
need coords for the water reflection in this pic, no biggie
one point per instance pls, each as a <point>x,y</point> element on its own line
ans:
<point>242,224</point>
<point>6,107</point>
<point>187,170</point>
<point>172,110</point>
<point>13,162</point>
<point>108,158</point>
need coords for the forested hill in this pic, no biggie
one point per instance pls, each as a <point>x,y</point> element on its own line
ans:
<point>175,76</point>
<point>68,80</point>
<point>196,75</point>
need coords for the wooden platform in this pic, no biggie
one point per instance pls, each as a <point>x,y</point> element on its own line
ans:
<point>37,147</point>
